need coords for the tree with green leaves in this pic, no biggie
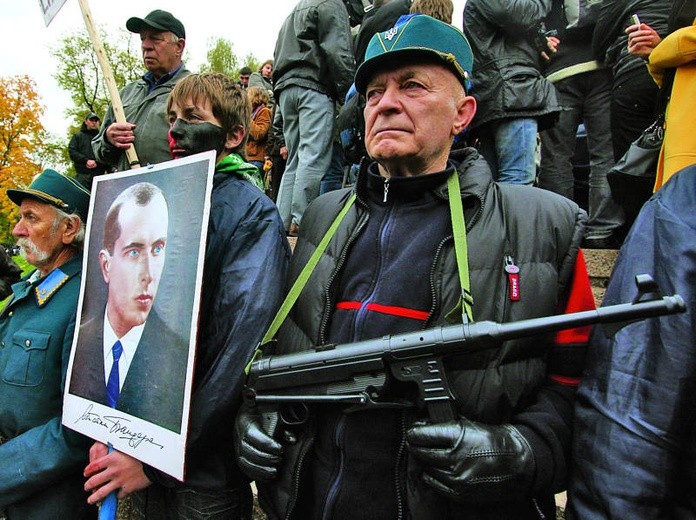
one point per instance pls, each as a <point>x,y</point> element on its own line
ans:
<point>79,73</point>
<point>221,58</point>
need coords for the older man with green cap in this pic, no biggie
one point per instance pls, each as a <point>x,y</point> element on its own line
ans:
<point>163,39</point>
<point>427,238</point>
<point>41,460</point>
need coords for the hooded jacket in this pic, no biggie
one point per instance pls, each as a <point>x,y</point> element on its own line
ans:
<point>246,257</point>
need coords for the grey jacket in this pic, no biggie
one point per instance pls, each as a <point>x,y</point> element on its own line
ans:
<point>314,49</point>
<point>148,111</point>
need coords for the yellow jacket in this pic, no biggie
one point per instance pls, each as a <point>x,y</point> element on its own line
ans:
<point>678,50</point>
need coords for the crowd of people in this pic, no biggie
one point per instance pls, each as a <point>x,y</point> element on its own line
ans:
<point>460,210</point>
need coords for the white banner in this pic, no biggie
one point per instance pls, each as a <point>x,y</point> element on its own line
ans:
<point>50,8</point>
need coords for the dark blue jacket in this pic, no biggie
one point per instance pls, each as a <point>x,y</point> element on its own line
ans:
<point>635,442</point>
<point>246,257</point>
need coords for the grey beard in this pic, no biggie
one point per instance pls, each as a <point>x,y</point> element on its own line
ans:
<point>26,244</point>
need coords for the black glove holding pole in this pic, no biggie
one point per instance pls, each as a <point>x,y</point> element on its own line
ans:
<point>258,454</point>
<point>473,462</point>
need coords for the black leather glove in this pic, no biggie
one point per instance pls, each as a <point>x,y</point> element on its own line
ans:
<point>473,462</point>
<point>258,454</point>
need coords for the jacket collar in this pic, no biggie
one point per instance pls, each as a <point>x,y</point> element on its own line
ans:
<point>44,288</point>
<point>475,176</point>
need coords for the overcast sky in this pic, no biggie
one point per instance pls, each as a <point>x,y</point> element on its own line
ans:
<point>252,27</point>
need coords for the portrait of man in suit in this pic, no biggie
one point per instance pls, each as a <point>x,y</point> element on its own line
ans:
<point>127,357</point>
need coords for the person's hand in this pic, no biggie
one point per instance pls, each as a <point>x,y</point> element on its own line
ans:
<point>552,45</point>
<point>284,152</point>
<point>642,39</point>
<point>470,461</point>
<point>91,164</point>
<point>258,454</point>
<point>115,471</point>
<point>121,135</point>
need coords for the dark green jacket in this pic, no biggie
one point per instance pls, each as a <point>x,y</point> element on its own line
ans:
<point>148,111</point>
<point>41,461</point>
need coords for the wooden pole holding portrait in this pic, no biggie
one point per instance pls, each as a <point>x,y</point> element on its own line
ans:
<point>108,77</point>
<point>108,508</point>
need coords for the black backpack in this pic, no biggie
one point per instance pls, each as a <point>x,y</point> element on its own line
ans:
<point>351,128</point>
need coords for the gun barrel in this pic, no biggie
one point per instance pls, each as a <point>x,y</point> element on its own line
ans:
<point>625,312</point>
<point>347,367</point>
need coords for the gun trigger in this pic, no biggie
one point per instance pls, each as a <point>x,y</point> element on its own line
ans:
<point>370,404</point>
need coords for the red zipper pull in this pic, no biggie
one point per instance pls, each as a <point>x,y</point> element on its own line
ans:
<point>513,278</point>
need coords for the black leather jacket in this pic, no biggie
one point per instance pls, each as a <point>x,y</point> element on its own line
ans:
<point>314,49</point>
<point>507,79</point>
<point>542,231</point>
<point>610,41</point>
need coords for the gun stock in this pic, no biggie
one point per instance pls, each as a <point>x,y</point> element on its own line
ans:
<point>363,374</point>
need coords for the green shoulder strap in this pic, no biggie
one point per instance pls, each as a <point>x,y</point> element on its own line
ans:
<point>460,248</point>
<point>460,245</point>
<point>301,280</point>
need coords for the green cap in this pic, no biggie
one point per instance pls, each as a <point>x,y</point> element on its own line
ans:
<point>422,38</point>
<point>65,193</point>
<point>159,20</point>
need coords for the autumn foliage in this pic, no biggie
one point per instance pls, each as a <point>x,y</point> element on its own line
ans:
<point>20,140</point>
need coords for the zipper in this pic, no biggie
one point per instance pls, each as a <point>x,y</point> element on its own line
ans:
<point>386,189</point>
<point>541,514</point>
<point>397,471</point>
<point>296,476</point>
<point>329,305</point>
<point>433,292</point>
<point>361,315</point>
<point>513,278</point>
<point>336,484</point>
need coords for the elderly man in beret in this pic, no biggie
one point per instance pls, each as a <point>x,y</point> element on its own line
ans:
<point>163,38</point>
<point>40,460</point>
<point>427,238</point>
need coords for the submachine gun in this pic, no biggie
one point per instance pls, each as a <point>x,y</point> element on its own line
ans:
<point>363,374</point>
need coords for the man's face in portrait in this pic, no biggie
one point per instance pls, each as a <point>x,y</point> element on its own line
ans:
<point>134,268</point>
<point>244,79</point>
